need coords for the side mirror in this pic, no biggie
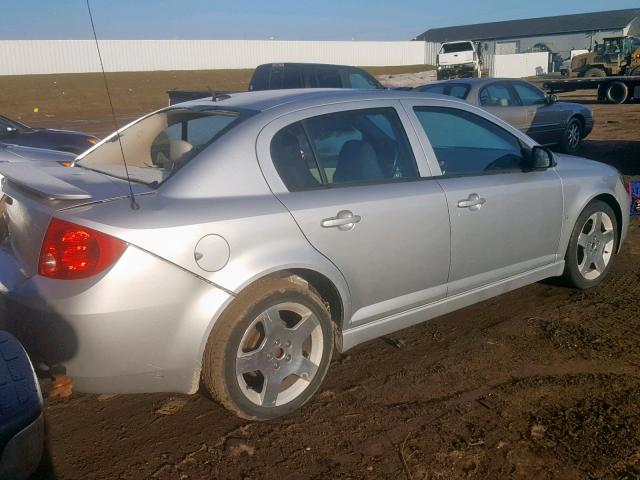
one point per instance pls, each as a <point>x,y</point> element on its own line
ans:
<point>538,158</point>
<point>551,99</point>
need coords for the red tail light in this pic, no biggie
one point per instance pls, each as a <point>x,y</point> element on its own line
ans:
<point>71,251</point>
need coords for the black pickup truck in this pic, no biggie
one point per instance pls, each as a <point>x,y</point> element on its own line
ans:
<point>277,76</point>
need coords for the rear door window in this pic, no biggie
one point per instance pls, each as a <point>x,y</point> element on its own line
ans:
<point>328,78</point>
<point>292,78</point>
<point>352,147</point>
<point>497,95</point>
<point>467,144</point>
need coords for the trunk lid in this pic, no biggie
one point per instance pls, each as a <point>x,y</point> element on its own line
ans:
<point>32,195</point>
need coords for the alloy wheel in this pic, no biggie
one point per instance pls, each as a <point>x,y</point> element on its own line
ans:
<point>573,135</point>
<point>595,245</point>
<point>279,354</point>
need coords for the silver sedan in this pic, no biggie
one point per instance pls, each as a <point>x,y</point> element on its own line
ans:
<point>262,230</point>
<point>525,106</point>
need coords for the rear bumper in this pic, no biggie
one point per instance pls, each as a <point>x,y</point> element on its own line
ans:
<point>450,72</point>
<point>139,327</point>
<point>23,453</point>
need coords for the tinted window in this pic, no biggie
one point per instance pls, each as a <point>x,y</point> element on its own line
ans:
<point>349,147</point>
<point>360,81</point>
<point>276,78</point>
<point>497,95</point>
<point>456,47</point>
<point>361,146</point>
<point>328,78</point>
<point>292,78</point>
<point>529,95</point>
<point>260,78</point>
<point>294,160</point>
<point>466,144</point>
<point>458,90</point>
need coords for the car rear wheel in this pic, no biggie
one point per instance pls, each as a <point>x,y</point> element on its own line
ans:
<point>269,352</point>
<point>572,136</point>
<point>591,247</point>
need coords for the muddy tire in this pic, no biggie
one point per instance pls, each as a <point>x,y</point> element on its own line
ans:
<point>617,92</point>
<point>595,72</point>
<point>571,137</point>
<point>270,350</point>
<point>591,246</point>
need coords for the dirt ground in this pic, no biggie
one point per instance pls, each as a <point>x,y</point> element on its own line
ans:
<point>540,383</point>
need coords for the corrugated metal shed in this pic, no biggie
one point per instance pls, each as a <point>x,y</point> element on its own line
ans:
<point>20,57</point>
<point>582,22</point>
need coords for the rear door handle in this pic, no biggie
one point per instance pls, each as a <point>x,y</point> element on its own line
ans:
<point>344,220</point>
<point>473,202</point>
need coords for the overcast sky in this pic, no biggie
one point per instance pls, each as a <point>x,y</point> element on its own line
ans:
<point>264,19</point>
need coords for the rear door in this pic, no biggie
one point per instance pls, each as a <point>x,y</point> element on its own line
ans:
<point>500,99</point>
<point>543,121</point>
<point>349,176</point>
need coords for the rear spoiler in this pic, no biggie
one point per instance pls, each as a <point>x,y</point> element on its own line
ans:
<point>37,181</point>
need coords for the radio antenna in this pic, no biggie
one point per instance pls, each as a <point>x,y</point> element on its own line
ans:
<point>134,204</point>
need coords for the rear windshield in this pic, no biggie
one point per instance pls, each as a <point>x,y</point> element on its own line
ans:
<point>456,47</point>
<point>458,90</point>
<point>158,145</point>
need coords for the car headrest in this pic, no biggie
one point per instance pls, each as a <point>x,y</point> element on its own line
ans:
<point>357,161</point>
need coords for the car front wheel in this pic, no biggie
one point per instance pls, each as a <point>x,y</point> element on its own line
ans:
<point>591,247</point>
<point>269,352</point>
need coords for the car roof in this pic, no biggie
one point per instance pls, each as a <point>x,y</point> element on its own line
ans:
<point>303,64</point>
<point>264,100</point>
<point>484,80</point>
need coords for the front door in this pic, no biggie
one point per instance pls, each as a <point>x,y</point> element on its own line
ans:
<point>504,221</point>
<point>352,184</point>
<point>544,120</point>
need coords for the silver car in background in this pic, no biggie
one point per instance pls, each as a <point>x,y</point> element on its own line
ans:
<point>268,227</point>
<point>526,107</point>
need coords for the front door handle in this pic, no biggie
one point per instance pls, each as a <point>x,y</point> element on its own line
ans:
<point>345,220</point>
<point>473,202</point>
